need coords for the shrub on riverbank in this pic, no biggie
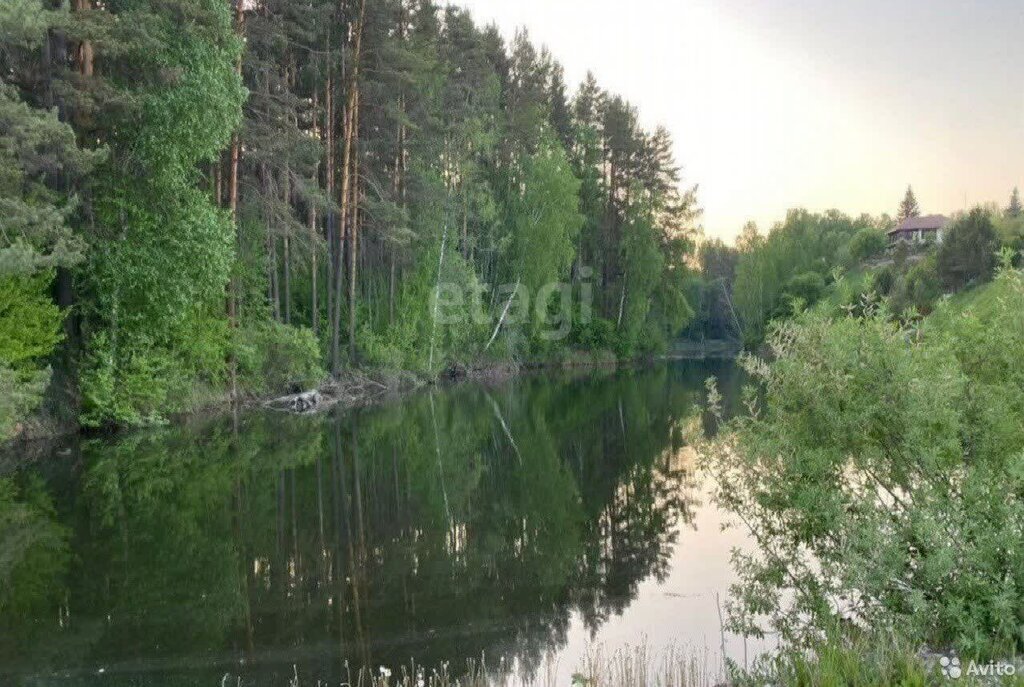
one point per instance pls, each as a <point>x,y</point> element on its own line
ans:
<point>880,471</point>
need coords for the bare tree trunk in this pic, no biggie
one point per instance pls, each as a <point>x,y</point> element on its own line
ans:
<point>399,187</point>
<point>350,234</point>
<point>218,180</point>
<point>286,241</point>
<point>84,56</point>
<point>342,240</point>
<point>287,277</point>
<point>56,52</point>
<point>314,268</point>
<point>504,314</point>
<point>622,303</point>
<point>271,245</point>
<point>286,196</point>
<point>391,289</point>
<point>314,306</point>
<point>354,230</point>
<point>437,293</point>
<point>331,227</point>
<point>236,145</point>
<point>465,223</point>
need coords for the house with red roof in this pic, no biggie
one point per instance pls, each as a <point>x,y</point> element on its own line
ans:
<point>925,229</point>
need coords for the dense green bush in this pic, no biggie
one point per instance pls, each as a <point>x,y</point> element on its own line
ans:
<point>867,243</point>
<point>883,476</point>
<point>30,328</point>
<point>273,357</point>
<point>918,289</point>
<point>883,281</point>
<point>29,319</point>
<point>20,392</point>
<point>138,387</point>
<point>968,251</point>
<point>596,335</point>
<point>162,251</point>
<point>807,288</point>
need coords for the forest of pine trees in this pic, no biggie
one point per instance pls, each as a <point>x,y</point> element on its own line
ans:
<point>202,198</point>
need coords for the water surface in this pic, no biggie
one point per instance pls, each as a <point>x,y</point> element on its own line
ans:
<point>528,522</point>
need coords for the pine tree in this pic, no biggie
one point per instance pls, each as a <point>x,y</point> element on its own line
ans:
<point>1015,209</point>
<point>401,141</point>
<point>39,160</point>
<point>561,117</point>
<point>908,207</point>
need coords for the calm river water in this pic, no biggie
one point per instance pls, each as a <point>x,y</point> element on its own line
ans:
<point>532,521</point>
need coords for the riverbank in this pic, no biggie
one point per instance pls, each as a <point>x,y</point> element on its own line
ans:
<point>359,388</point>
<point>363,387</point>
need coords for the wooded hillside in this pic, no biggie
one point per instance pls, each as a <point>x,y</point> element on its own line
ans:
<point>204,199</point>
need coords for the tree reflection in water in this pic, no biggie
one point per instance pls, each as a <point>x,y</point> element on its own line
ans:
<point>453,524</point>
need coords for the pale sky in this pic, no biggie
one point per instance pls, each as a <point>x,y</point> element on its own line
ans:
<point>807,103</point>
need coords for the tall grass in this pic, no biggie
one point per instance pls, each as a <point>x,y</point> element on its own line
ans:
<point>629,666</point>
<point>637,666</point>
<point>864,662</point>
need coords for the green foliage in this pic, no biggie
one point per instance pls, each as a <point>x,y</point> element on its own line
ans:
<point>459,332</point>
<point>140,384</point>
<point>670,310</point>
<point>968,251</point>
<point>884,280</point>
<point>597,335</point>
<point>273,357</point>
<point>866,244</point>
<point>162,251</point>
<point>39,156</point>
<point>1011,233</point>
<point>545,220</point>
<point>710,293</point>
<point>20,392</point>
<point>36,152</point>
<point>839,660</point>
<point>918,289</point>
<point>884,468</point>
<point>804,243</point>
<point>642,264</point>
<point>30,329</point>
<point>470,168</point>
<point>24,23</point>
<point>806,288</point>
<point>30,322</point>
<point>133,388</point>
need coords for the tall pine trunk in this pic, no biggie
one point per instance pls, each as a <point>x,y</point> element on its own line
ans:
<point>330,227</point>
<point>314,306</point>
<point>354,244</point>
<point>348,231</point>
<point>232,287</point>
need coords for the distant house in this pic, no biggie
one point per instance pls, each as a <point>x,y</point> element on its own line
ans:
<point>919,229</point>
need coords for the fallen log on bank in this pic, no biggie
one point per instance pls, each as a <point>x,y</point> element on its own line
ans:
<point>305,402</point>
